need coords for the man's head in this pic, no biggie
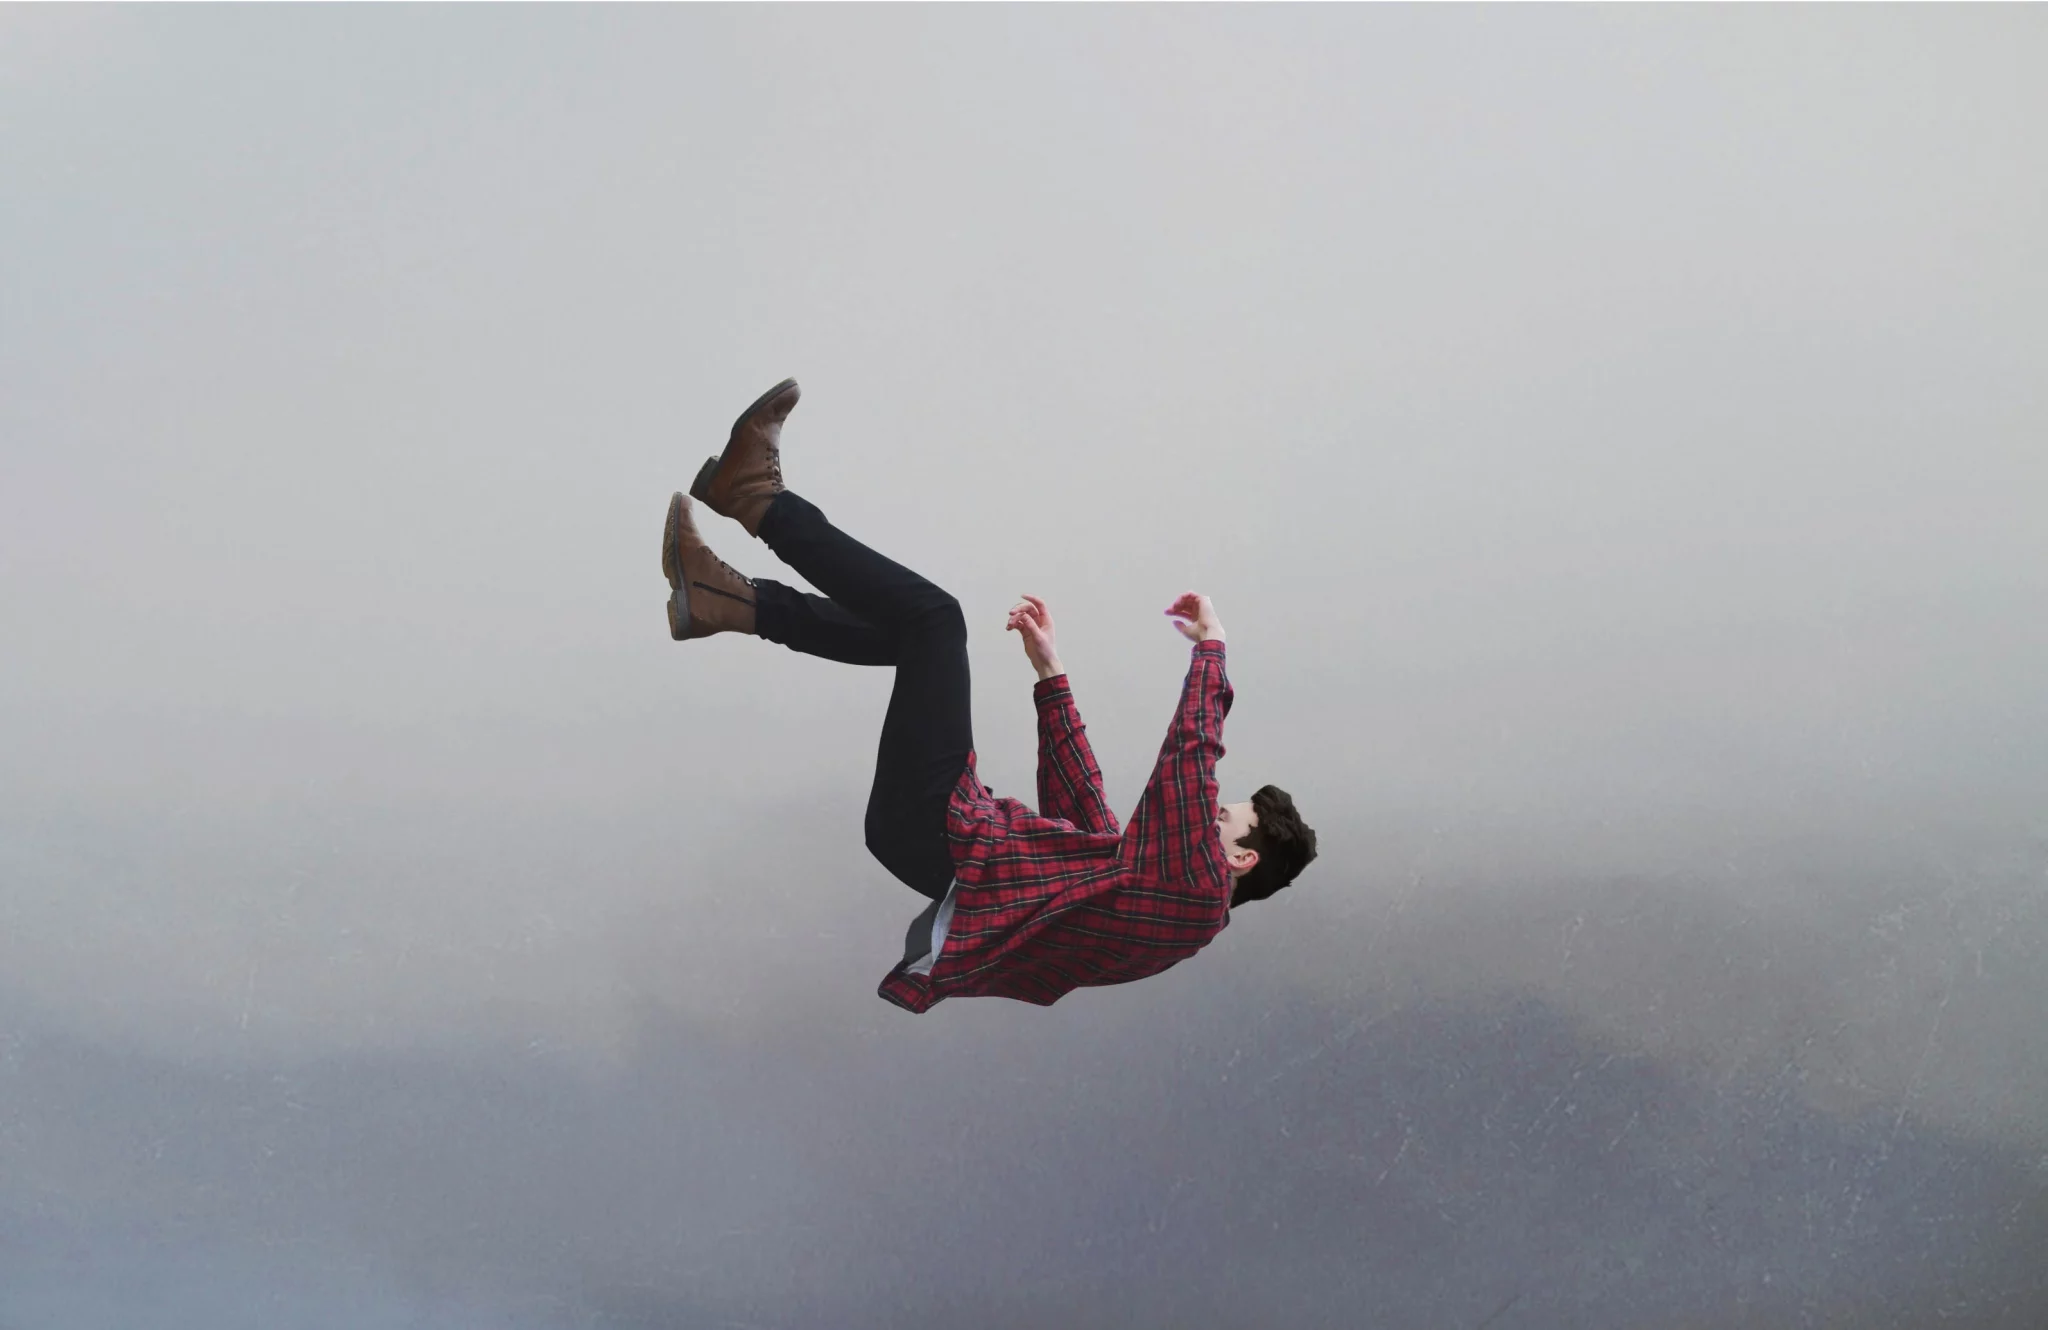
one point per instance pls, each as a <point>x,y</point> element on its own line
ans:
<point>1265,843</point>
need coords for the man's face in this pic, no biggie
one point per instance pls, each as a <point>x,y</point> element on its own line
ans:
<point>1232,822</point>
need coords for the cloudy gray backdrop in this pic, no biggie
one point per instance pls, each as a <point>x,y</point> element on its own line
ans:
<point>1614,439</point>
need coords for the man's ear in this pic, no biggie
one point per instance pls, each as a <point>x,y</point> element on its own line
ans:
<point>1244,860</point>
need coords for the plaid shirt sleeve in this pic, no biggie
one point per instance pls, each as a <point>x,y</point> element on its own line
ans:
<point>1172,835</point>
<point>1069,782</point>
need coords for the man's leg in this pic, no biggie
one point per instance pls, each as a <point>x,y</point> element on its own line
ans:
<point>872,604</point>
<point>818,626</point>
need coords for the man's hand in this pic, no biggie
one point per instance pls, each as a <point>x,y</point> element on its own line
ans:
<point>1033,620</point>
<point>1196,618</point>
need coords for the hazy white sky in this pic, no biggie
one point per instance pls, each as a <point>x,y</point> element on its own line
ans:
<point>1612,436</point>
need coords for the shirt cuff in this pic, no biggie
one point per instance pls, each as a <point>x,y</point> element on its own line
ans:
<point>1214,646</point>
<point>1049,688</point>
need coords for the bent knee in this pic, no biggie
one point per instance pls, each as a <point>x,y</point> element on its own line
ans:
<point>943,616</point>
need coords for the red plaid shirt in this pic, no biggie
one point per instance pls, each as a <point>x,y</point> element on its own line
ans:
<point>1048,902</point>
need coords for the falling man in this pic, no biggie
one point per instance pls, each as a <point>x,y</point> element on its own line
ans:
<point>1025,903</point>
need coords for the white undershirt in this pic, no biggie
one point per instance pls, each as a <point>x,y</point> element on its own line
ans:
<point>940,925</point>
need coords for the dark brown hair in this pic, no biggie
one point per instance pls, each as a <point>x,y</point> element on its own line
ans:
<point>1284,843</point>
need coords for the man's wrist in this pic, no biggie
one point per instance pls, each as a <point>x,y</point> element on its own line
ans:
<point>1051,671</point>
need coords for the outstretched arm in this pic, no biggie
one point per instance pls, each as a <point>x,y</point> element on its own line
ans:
<point>1172,836</point>
<point>1069,781</point>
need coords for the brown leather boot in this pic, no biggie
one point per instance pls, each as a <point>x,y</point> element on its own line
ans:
<point>740,482</point>
<point>709,597</point>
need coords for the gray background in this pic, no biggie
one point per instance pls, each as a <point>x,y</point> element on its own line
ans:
<point>1612,437</point>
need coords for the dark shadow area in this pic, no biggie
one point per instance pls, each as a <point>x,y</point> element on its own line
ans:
<point>1431,1161</point>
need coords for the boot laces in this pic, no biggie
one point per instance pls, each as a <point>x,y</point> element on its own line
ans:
<point>730,571</point>
<point>734,573</point>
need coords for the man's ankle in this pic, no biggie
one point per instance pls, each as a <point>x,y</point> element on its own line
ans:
<point>771,518</point>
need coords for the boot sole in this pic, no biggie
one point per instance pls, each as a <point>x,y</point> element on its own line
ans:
<point>672,568</point>
<point>700,488</point>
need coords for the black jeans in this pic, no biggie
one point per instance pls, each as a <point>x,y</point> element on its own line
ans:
<point>877,612</point>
